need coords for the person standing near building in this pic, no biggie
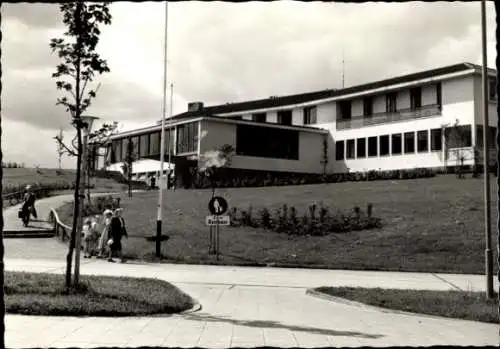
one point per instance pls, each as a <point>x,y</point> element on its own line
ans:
<point>104,233</point>
<point>117,230</point>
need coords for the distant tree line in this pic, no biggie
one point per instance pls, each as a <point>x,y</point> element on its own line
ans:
<point>11,164</point>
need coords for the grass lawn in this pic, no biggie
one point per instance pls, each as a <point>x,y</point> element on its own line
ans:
<point>14,177</point>
<point>453,304</point>
<point>44,294</point>
<point>430,225</point>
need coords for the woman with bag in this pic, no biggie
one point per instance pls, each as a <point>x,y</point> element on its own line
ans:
<point>116,232</point>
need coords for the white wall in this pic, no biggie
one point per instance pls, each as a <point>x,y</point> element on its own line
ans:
<point>298,116</point>
<point>272,116</point>
<point>326,113</point>
<point>458,103</point>
<point>143,165</point>
<point>478,106</point>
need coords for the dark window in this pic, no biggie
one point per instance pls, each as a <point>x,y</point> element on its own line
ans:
<point>390,102</point>
<point>492,88</point>
<point>259,117</point>
<point>436,141</point>
<point>116,151</point>
<point>154,143</point>
<point>187,138</point>
<point>339,150</point>
<point>409,142</point>
<point>310,115</point>
<point>285,117</point>
<point>144,145</point>
<point>345,109</point>
<point>459,136</point>
<point>267,142</point>
<point>422,141</point>
<point>236,117</point>
<point>135,141</point>
<point>439,95</point>
<point>350,149</point>
<point>396,144</point>
<point>416,97</point>
<point>361,147</point>
<point>368,106</point>
<point>384,145</point>
<point>169,141</point>
<point>372,146</point>
<point>124,148</point>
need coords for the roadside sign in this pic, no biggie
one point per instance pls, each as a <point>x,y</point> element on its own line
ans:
<point>217,206</point>
<point>217,220</point>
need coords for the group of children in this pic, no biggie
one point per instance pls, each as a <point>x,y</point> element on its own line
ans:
<point>102,235</point>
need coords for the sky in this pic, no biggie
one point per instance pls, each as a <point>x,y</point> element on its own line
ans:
<point>221,52</point>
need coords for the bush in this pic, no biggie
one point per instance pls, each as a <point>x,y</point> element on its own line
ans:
<point>97,206</point>
<point>316,220</point>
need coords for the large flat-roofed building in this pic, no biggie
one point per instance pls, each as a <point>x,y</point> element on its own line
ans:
<point>428,119</point>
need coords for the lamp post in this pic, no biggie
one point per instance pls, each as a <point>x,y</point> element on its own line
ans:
<point>86,126</point>
<point>487,209</point>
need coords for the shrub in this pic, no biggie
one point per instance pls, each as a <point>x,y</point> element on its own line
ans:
<point>265,218</point>
<point>316,220</point>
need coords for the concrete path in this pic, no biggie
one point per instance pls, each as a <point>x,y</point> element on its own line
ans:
<point>250,307</point>
<point>242,307</point>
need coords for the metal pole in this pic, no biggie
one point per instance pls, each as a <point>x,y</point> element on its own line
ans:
<point>162,140</point>
<point>81,194</point>
<point>487,207</point>
<point>170,134</point>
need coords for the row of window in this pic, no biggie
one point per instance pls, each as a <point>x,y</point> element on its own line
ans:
<point>403,143</point>
<point>284,117</point>
<point>309,114</point>
<point>391,105</point>
<point>148,145</point>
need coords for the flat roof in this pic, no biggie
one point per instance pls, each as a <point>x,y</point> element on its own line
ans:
<point>186,119</point>
<point>273,102</point>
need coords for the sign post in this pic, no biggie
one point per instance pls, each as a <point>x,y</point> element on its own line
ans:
<point>217,207</point>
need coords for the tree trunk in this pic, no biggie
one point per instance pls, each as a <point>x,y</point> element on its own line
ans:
<point>2,250</point>
<point>76,209</point>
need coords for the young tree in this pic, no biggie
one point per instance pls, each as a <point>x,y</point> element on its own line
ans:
<point>130,157</point>
<point>213,163</point>
<point>79,65</point>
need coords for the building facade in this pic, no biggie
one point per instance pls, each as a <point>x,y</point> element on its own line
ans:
<point>428,119</point>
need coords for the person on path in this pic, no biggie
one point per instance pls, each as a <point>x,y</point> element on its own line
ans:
<point>117,230</point>
<point>29,202</point>
<point>94,234</point>
<point>87,237</point>
<point>104,233</point>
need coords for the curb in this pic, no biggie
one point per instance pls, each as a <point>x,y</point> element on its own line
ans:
<point>195,308</point>
<point>327,297</point>
<point>34,235</point>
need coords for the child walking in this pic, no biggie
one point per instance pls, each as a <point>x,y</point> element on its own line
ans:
<point>87,237</point>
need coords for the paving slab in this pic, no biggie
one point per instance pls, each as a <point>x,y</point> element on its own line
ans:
<point>266,313</point>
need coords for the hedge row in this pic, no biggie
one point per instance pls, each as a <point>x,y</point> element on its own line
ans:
<point>227,179</point>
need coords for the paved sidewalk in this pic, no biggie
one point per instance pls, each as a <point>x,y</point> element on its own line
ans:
<point>250,307</point>
<point>244,307</point>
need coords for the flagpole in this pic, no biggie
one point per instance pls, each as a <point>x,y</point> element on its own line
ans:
<point>170,133</point>
<point>162,140</point>
<point>487,217</point>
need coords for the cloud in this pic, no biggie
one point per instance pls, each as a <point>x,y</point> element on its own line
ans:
<point>225,52</point>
